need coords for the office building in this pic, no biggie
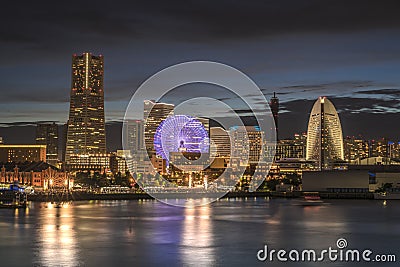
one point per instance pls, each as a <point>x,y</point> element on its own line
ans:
<point>324,135</point>
<point>47,134</point>
<point>154,114</point>
<point>135,135</point>
<point>220,142</point>
<point>86,124</point>
<point>355,149</point>
<point>22,153</point>
<point>247,143</point>
<point>291,148</point>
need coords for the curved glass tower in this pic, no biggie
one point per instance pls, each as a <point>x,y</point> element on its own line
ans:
<point>324,135</point>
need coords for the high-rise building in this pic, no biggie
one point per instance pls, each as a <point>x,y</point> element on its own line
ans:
<point>247,142</point>
<point>394,150</point>
<point>86,124</point>
<point>355,148</point>
<point>379,148</point>
<point>220,143</point>
<point>135,135</point>
<point>154,114</point>
<point>63,137</point>
<point>324,135</point>
<point>274,105</point>
<point>47,134</point>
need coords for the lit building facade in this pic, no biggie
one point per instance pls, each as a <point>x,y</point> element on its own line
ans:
<point>355,148</point>
<point>379,148</point>
<point>22,153</point>
<point>324,135</point>
<point>394,150</point>
<point>118,162</point>
<point>243,135</point>
<point>220,143</point>
<point>47,134</point>
<point>86,124</point>
<point>291,148</point>
<point>98,162</point>
<point>154,114</point>
<point>37,174</point>
<point>135,135</point>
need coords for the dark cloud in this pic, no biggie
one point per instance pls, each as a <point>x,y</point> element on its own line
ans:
<point>21,123</point>
<point>346,105</point>
<point>393,92</point>
<point>339,85</point>
<point>42,23</point>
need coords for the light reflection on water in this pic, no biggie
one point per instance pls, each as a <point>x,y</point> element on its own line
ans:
<point>226,233</point>
<point>197,240</point>
<point>56,240</point>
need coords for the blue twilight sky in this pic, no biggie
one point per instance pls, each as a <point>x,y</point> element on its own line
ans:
<point>346,50</point>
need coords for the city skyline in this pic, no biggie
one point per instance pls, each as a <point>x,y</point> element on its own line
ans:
<point>199,133</point>
<point>351,57</point>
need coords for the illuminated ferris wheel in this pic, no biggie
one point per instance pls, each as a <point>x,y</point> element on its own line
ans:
<point>180,133</point>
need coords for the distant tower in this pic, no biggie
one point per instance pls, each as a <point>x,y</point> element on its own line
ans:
<point>86,124</point>
<point>324,135</point>
<point>274,105</point>
<point>47,134</point>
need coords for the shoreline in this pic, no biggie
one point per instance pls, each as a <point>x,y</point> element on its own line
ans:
<point>138,196</point>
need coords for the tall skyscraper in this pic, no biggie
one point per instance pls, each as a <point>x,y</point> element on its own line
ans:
<point>220,143</point>
<point>135,135</point>
<point>274,106</point>
<point>47,134</point>
<point>86,124</point>
<point>154,114</point>
<point>324,135</point>
<point>247,142</point>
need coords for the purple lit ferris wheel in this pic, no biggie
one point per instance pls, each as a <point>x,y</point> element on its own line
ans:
<point>180,133</point>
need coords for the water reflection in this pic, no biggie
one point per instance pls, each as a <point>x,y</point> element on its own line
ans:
<point>197,244</point>
<point>228,233</point>
<point>56,238</point>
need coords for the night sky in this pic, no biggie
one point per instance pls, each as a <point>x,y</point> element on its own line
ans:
<point>347,50</point>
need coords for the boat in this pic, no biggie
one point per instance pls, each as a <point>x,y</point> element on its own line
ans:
<point>13,205</point>
<point>16,197</point>
<point>310,199</point>
<point>387,195</point>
